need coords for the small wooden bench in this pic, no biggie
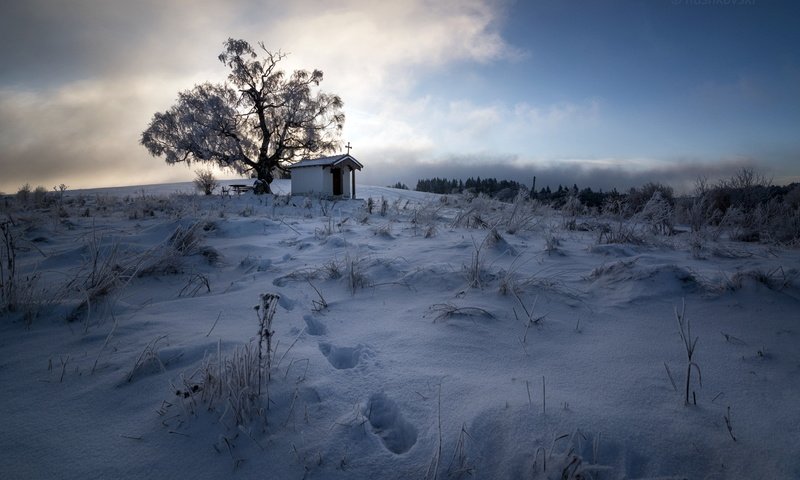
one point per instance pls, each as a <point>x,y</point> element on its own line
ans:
<point>240,188</point>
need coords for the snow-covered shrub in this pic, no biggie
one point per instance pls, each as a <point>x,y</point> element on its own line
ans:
<point>384,206</point>
<point>326,230</point>
<point>732,221</point>
<point>572,207</point>
<point>614,206</point>
<point>326,206</point>
<point>384,231</point>
<point>167,258</point>
<point>697,244</point>
<point>657,213</point>
<point>101,272</point>
<point>521,215</point>
<point>425,217</point>
<point>477,212</point>
<point>205,181</point>
<point>236,384</point>
<point>551,242</point>
<point>476,270</point>
<point>693,212</point>
<point>639,197</point>
<point>776,222</point>
<point>621,231</point>
<point>355,276</point>
<point>228,385</point>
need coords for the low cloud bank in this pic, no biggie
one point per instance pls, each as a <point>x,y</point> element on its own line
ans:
<point>681,175</point>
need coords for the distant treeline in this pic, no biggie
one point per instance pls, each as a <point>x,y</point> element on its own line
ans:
<point>744,190</point>
<point>508,189</point>
<point>502,189</point>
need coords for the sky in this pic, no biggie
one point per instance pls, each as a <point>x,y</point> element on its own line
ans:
<point>599,93</point>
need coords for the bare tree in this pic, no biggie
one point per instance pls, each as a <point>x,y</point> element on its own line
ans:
<point>747,178</point>
<point>260,121</point>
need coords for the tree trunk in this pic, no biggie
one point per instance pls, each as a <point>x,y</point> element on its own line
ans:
<point>264,174</point>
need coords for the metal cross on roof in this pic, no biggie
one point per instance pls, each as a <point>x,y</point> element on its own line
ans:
<point>348,147</point>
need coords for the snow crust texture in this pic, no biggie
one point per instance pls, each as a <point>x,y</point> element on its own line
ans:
<point>416,336</point>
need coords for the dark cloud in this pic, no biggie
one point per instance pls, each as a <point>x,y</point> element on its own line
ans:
<point>45,43</point>
<point>82,136</point>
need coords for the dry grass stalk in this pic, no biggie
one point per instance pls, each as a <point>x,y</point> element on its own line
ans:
<point>149,355</point>
<point>727,418</point>
<point>321,304</point>
<point>8,271</point>
<point>671,380</point>
<point>108,337</point>
<point>433,468</point>
<point>265,312</point>
<point>214,325</point>
<point>530,318</point>
<point>197,282</point>
<point>448,310</point>
<point>475,269</point>
<point>459,464</point>
<point>690,343</point>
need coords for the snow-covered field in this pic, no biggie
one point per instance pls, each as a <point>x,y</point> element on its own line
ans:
<point>410,342</point>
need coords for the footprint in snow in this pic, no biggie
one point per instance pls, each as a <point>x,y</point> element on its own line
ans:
<point>314,326</point>
<point>341,357</point>
<point>287,303</point>
<point>397,434</point>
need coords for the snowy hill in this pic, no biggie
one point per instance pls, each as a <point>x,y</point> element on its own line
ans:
<point>431,337</point>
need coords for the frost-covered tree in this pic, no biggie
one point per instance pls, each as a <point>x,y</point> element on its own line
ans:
<point>259,121</point>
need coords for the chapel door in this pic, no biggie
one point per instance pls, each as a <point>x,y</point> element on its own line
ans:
<point>337,180</point>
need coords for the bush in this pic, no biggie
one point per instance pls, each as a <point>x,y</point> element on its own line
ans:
<point>639,197</point>
<point>205,181</point>
<point>40,196</point>
<point>24,193</point>
<point>793,197</point>
<point>657,213</point>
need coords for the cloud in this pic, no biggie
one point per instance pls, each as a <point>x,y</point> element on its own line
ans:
<point>81,80</point>
<point>82,134</point>
<point>48,43</point>
<point>551,116</point>
<point>439,126</point>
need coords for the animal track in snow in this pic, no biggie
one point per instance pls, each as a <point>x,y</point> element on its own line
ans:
<point>388,423</point>
<point>341,357</point>
<point>314,326</point>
